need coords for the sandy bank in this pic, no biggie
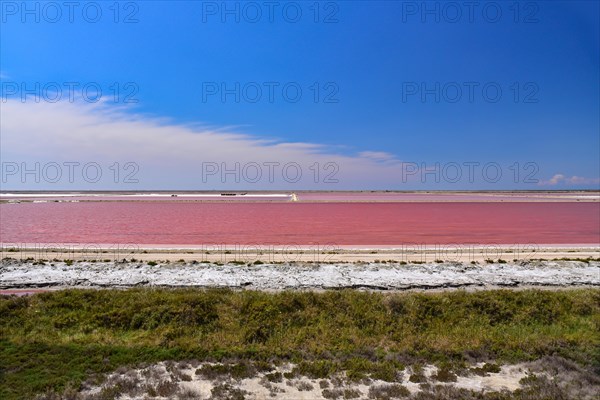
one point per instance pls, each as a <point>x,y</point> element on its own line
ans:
<point>317,253</point>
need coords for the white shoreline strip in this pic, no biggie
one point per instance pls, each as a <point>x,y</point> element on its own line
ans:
<point>14,274</point>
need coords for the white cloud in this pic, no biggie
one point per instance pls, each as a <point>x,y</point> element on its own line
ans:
<point>169,155</point>
<point>380,156</point>
<point>560,179</point>
<point>172,156</point>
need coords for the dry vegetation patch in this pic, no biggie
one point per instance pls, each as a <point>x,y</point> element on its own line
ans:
<point>339,341</point>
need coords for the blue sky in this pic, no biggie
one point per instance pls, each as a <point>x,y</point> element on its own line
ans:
<point>370,60</point>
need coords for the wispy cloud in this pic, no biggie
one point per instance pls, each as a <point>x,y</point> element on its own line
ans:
<point>171,155</point>
<point>174,156</point>
<point>379,156</point>
<point>561,179</point>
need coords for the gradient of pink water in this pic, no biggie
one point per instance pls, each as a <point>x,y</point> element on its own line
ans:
<point>180,223</point>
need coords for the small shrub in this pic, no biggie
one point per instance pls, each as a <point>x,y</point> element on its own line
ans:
<point>166,388</point>
<point>289,375</point>
<point>486,369</point>
<point>227,392</point>
<point>417,378</point>
<point>444,375</point>
<point>385,372</point>
<point>492,368</point>
<point>386,392</point>
<point>276,377</point>
<point>110,392</point>
<point>188,394</point>
<point>305,386</point>
<point>317,369</point>
<point>185,378</point>
<point>236,371</point>
<point>213,372</point>
<point>332,393</point>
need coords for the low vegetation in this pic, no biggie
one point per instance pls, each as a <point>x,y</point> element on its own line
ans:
<point>56,340</point>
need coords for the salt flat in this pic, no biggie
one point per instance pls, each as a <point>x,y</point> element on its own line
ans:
<point>374,276</point>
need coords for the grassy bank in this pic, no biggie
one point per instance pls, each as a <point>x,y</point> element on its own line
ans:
<point>51,340</point>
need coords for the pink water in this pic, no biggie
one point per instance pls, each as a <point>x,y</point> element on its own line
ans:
<point>183,223</point>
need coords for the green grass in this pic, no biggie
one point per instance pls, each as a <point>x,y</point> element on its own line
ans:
<point>55,339</point>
